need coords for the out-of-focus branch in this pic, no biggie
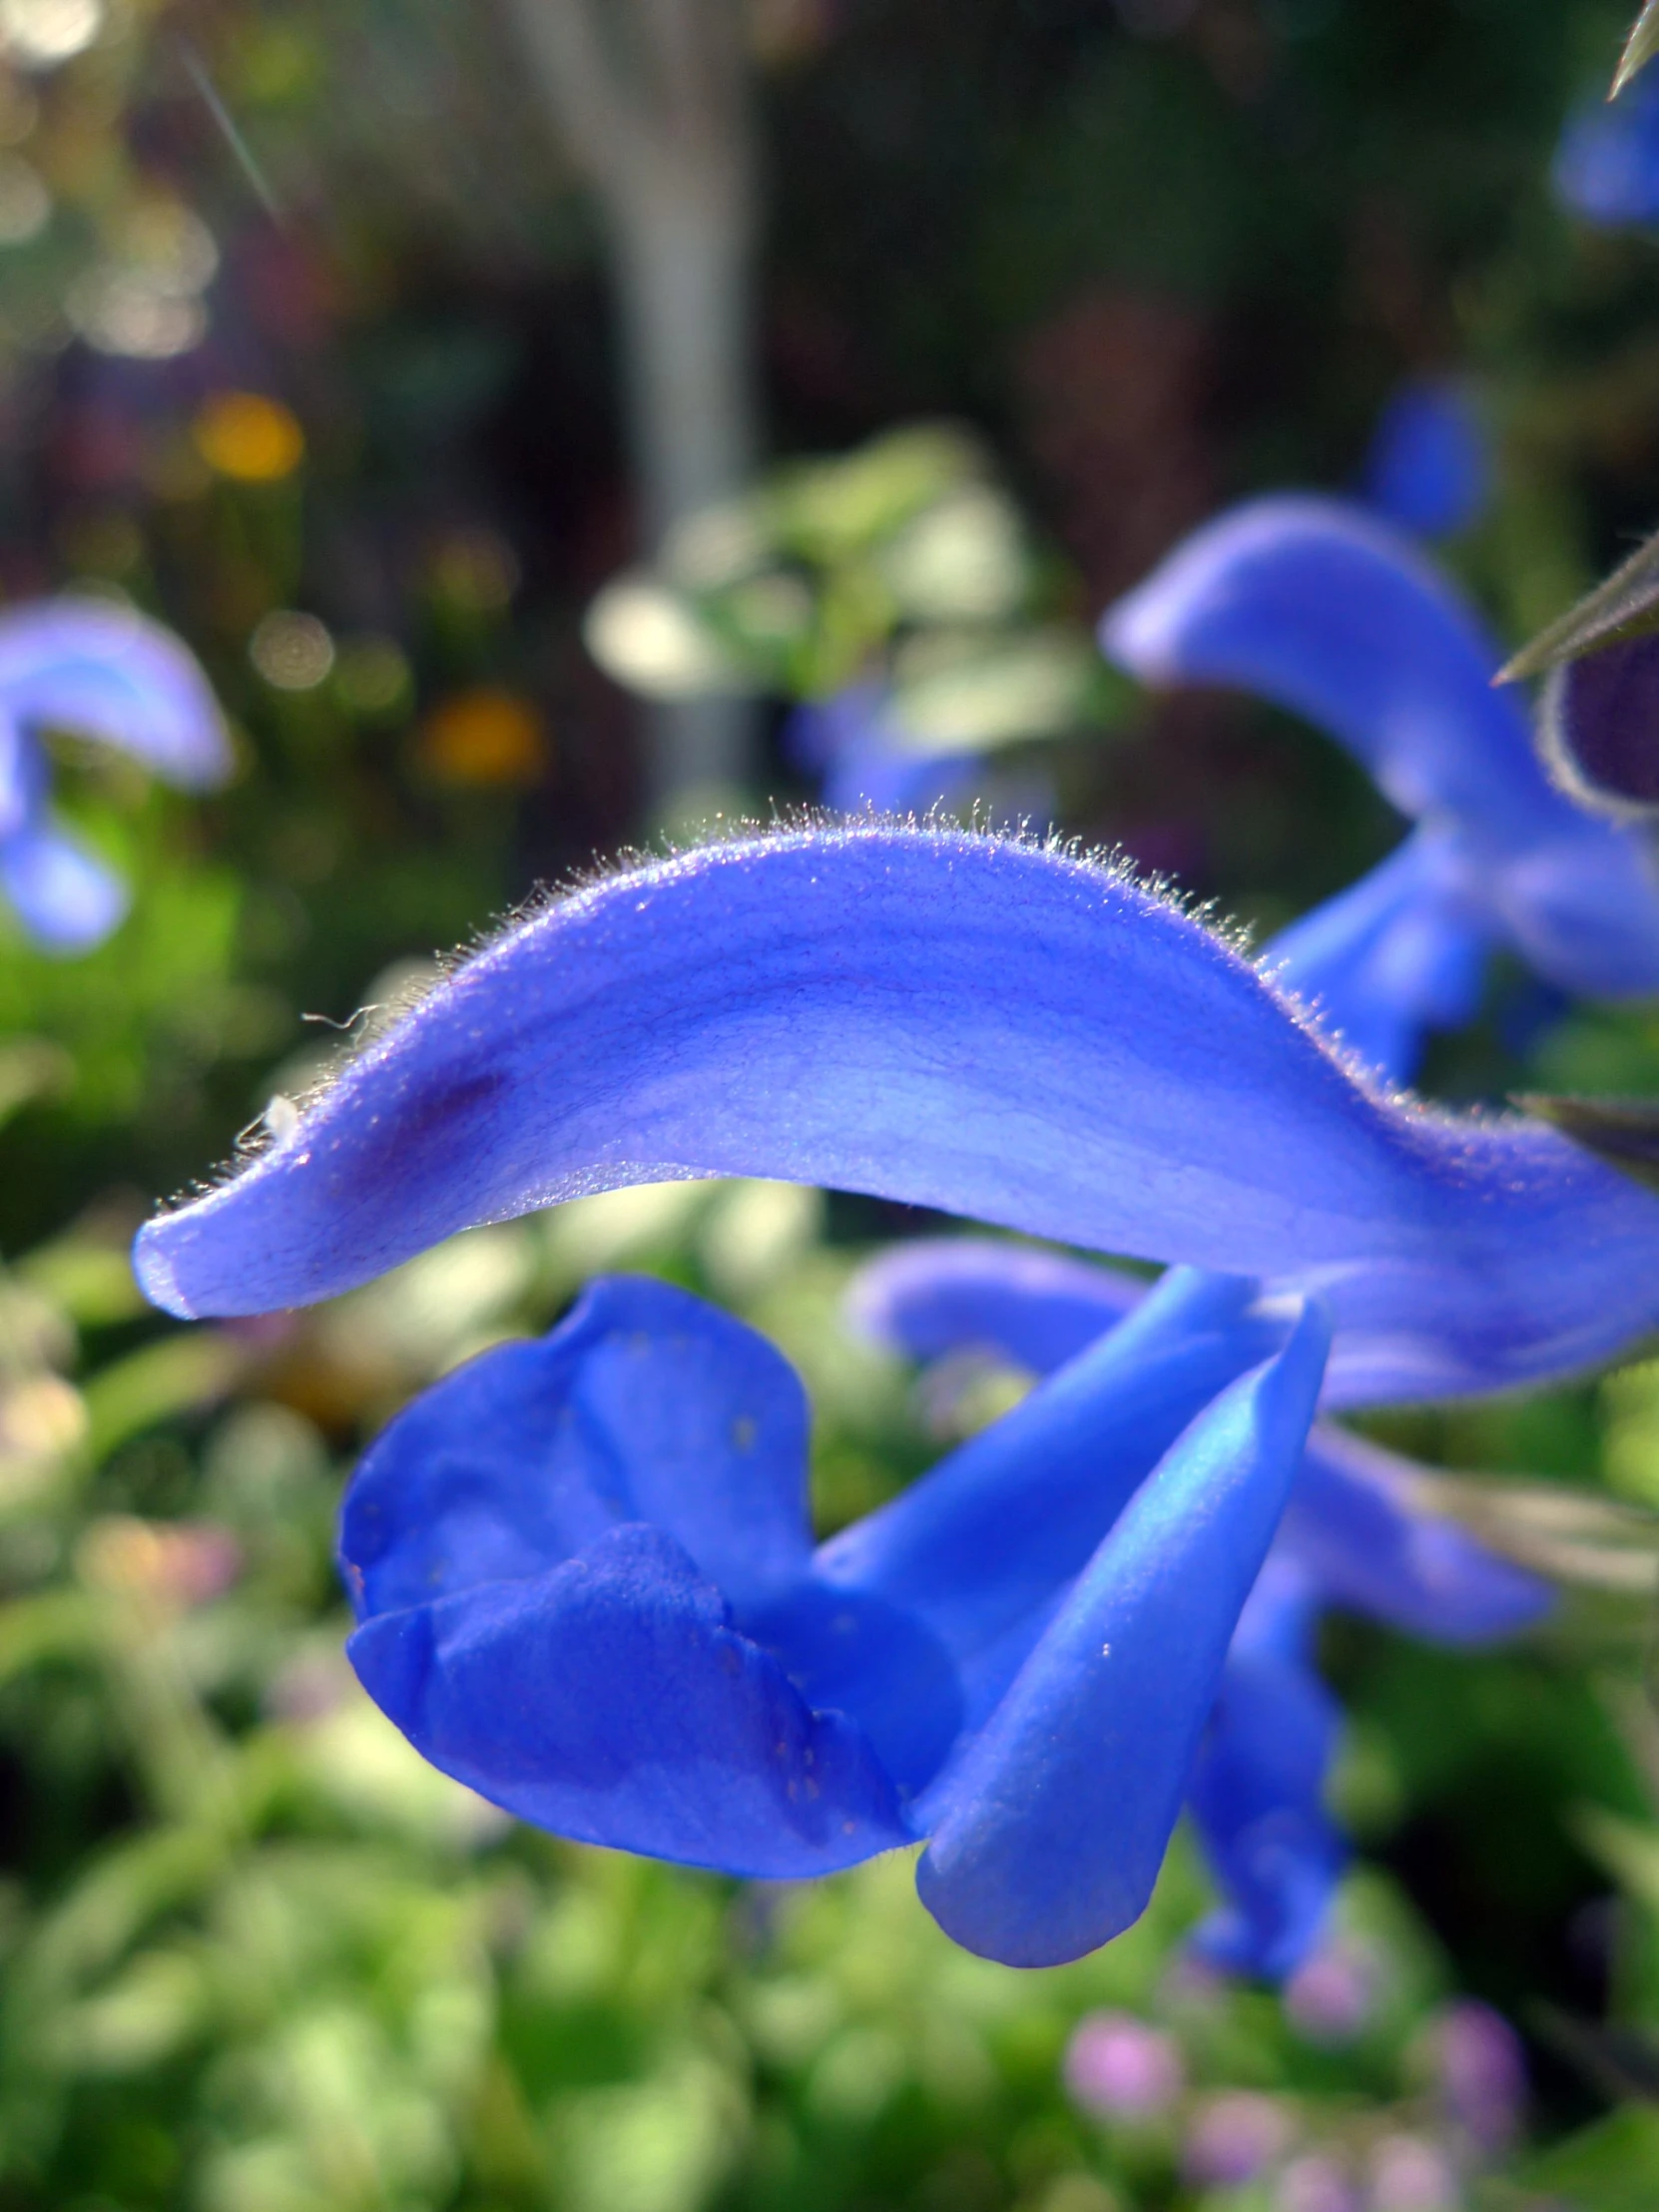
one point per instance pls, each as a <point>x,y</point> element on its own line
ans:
<point>650,98</point>
<point>562,42</point>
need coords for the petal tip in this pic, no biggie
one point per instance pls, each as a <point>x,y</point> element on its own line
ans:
<point>154,1272</point>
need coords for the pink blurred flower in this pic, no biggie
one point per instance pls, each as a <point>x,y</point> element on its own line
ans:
<point>1118,2069</point>
<point>1315,2184</point>
<point>1482,2071</point>
<point>1329,2000</point>
<point>1234,2138</point>
<point>1411,2174</point>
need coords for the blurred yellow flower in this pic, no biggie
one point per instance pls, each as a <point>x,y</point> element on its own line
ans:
<point>484,737</point>
<point>245,435</point>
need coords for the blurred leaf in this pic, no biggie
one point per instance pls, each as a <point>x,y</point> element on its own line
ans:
<point>1628,1851</point>
<point>956,692</point>
<point>1639,48</point>
<point>117,1894</point>
<point>962,560</point>
<point>1623,606</point>
<point>831,510</point>
<point>91,1281</point>
<point>1611,2167</point>
<point>176,1376</point>
<point>48,1625</point>
<point>31,1068</point>
<point>159,2003</point>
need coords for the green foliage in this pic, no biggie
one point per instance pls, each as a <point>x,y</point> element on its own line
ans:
<point>902,563</point>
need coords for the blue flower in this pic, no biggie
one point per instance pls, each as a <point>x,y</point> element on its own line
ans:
<point>586,1588</point>
<point>1358,1533</point>
<point>1429,467</point>
<point>1606,167</point>
<point>1321,609</point>
<point>959,1021</point>
<point>987,1027</point>
<point>105,671</point>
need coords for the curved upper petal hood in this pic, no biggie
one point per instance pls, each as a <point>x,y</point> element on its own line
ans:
<point>1324,610</point>
<point>952,1021</point>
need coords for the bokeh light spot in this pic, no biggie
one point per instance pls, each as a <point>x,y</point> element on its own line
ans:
<point>477,570</point>
<point>248,437</point>
<point>25,202</point>
<point>43,33</point>
<point>292,652</point>
<point>121,311</point>
<point>373,676</point>
<point>484,737</point>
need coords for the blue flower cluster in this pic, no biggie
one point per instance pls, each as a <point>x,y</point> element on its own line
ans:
<point>100,669</point>
<point>582,1568</point>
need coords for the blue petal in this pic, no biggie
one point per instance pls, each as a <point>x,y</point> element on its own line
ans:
<point>951,1021</point>
<point>1606,167</point>
<point>984,1541</point>
<point>1361,1525</point>
<point>65,898</point>
<point>1599,727</point>
<point>1048,1832</point>
<point>25,777</point>
<point>1404,951</point>
<point>1359,1516</point>
<point>1323,610</point>
<point>1320,607</point>
<point>644,1404</point>
<point>1256,1793</point>
<point>945,1293</point>
<point>90,665</point>
<point>610,1700</point>
<point>851,1652</point>
<point>819,731</point>
<point>1429,467</point>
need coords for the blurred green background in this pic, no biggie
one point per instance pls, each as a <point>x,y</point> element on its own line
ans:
<point>309,346</point>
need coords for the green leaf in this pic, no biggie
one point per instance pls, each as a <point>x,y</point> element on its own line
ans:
<point>1622,1131</point>
<point>1610,2167</point>
<point>91,1281</point>
<point>1639,48</point>
<point>177,1375</point>
<point>1624,605</point>
<point>1626,1849</point>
